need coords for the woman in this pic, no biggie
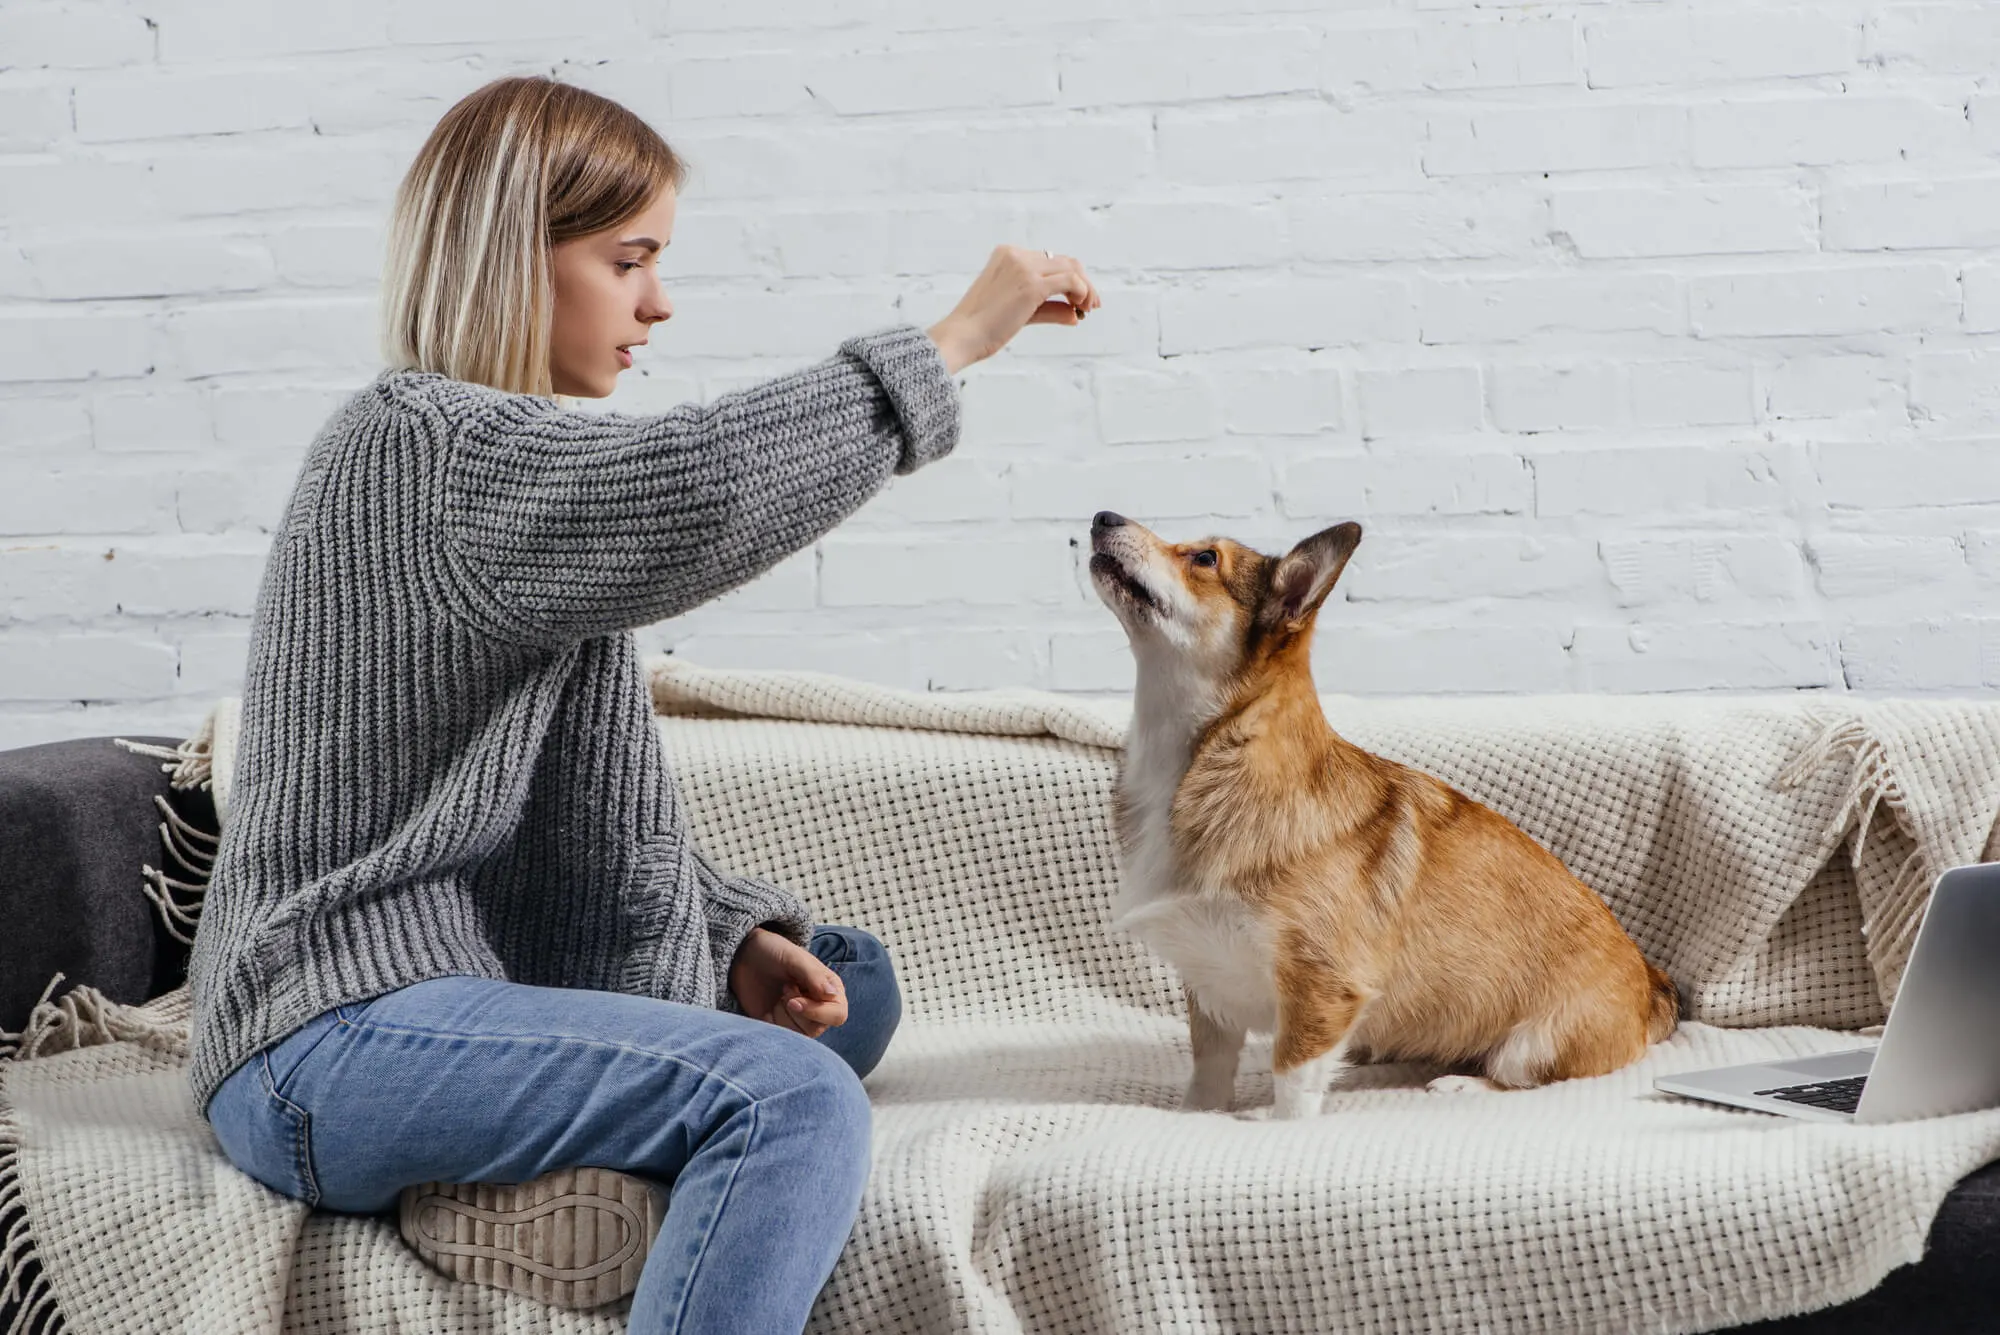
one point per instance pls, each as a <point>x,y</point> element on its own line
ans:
<point>457,930</point>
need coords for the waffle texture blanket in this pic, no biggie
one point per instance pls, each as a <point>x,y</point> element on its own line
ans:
<point>1031,1173</point>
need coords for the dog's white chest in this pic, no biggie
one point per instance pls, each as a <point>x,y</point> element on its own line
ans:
<point>1221,950</point>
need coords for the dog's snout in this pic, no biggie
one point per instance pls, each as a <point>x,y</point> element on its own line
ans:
<point>1108,519</point>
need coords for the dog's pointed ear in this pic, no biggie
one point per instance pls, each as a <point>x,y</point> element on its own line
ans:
<point>1305,575</point>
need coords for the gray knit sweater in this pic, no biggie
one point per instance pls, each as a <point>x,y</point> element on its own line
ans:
<point>448,763</point>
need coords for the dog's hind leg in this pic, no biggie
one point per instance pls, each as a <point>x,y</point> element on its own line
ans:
<point>1217,1047</point>
<point>1526,1057</point>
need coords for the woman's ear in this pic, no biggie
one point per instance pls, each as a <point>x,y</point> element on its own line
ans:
<point>1305,575</point>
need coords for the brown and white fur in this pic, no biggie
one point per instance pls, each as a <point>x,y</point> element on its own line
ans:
<point>1352,907</point>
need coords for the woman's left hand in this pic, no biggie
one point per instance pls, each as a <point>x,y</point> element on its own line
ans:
<point>783,983</point>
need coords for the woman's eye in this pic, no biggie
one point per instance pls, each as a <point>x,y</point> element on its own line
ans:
<point>1206,560</point>
<point>627,266</point>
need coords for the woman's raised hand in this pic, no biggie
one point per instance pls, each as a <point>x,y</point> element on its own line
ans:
<point>1018,287</point>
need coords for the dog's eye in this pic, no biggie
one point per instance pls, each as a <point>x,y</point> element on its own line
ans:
<point>1206,560</point>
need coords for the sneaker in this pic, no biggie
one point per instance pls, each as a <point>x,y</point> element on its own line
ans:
<point>577,1237</point>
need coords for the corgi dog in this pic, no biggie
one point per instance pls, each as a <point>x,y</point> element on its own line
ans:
<point>1352,907</point>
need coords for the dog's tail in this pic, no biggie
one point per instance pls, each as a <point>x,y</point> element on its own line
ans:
<point>1667,1008</point>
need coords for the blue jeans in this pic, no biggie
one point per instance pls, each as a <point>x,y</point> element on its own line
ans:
<point>761,1133</point>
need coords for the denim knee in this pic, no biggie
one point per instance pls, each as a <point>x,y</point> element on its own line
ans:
<point>825,1097</point>
<point>874,1001</point>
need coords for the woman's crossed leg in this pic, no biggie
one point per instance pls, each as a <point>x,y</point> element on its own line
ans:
<point>763,1134</point>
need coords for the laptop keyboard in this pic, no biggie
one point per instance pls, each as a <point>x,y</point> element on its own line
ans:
<point>1835,1095</point>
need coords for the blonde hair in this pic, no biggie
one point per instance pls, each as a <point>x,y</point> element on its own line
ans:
<point>514,168</point>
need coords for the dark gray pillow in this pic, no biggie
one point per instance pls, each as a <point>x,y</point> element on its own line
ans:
<point>77,825</point>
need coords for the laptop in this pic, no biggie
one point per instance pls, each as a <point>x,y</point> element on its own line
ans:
<point>1940,1051</point>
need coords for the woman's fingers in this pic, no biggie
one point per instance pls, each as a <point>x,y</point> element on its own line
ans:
<point>1066,271</point>
<point>824,1014</point>
<point>820,998</point>
<point>785,1018</point>
<point>1017,287</point>
<point>1069,286</point>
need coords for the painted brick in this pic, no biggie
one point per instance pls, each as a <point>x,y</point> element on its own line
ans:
<point>173,105</point>
<point>1192,66</point>
<point>1711,219</point>
<point>1299,399</point>
<point>1873,475</point>
<point>1947,653</point>
<point>1308,313</point>
<point>1912,215</point>
<point>1283,141</point>
<point>1936,39</point>
<point>1566,139</point>
<point>1420,399</point>
<point>1162,405</point>
<point>32,119</point>
<point>897,572</point>
<point>145,420</point>
<point>1395,660</point>
<point>1445,221</point>
<point>109,266</point>
<point>1653,569</point>
<point>1359,486</point>
<point>1500,310</point>
<point>1629,47</point>
<point>46,665</point>
<point>80,346</point>
<point>1810,387</point>
<point>1980,284</point>
<point>1486,565</point>
<point>1958,388</point>
<point>1818,131</point>
<point>1665,480</point>
<point>934,80</point>
<point>1555,398</point>
<point>1704,656</point>
<point>1691,394</point>
<point>1505,52</point>
<point>79,36</point>
<point>1854,565</point>
<point>1733,263</point>
<point>1195,487</point>
<point>1897,299</point>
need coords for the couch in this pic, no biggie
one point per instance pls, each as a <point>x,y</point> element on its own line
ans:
<point>79,819</point>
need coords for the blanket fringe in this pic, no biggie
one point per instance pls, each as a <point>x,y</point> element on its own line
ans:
<point>1889,926</point>
<point>179,899</point>
<point>27,1293</point>
<point>11,1043</point>
<point>191,764</point>
<point>83,1017</point>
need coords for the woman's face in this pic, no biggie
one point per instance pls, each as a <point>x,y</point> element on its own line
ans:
<point>608,297</point>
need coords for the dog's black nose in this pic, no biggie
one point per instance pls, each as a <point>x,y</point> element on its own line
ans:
<point>1108,519</point>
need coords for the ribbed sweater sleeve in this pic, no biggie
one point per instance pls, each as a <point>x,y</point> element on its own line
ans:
<point>560,525</point>
<point>736,905</point>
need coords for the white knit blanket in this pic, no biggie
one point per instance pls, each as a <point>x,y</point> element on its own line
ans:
<point>1030,1174</point>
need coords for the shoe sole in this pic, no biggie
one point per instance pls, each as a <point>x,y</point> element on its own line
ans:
<point>575,1238</point>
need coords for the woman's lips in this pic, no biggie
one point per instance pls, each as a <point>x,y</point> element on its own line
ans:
<point>625,358</point>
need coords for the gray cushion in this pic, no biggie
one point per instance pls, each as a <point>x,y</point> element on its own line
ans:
<point>1955,1287</point>
<point>77,824</point>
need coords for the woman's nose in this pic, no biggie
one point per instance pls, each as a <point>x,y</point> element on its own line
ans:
<point>658,307</point>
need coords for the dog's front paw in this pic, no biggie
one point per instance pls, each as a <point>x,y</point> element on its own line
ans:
<point>1207,1097</point>
<point>1461,1084</point>
<point>1263,1114</point>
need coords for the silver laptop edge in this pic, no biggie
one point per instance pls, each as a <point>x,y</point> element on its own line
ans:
<point>1938,1053</point>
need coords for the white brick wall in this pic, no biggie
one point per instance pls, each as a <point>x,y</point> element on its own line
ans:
<point>1656,345</point>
